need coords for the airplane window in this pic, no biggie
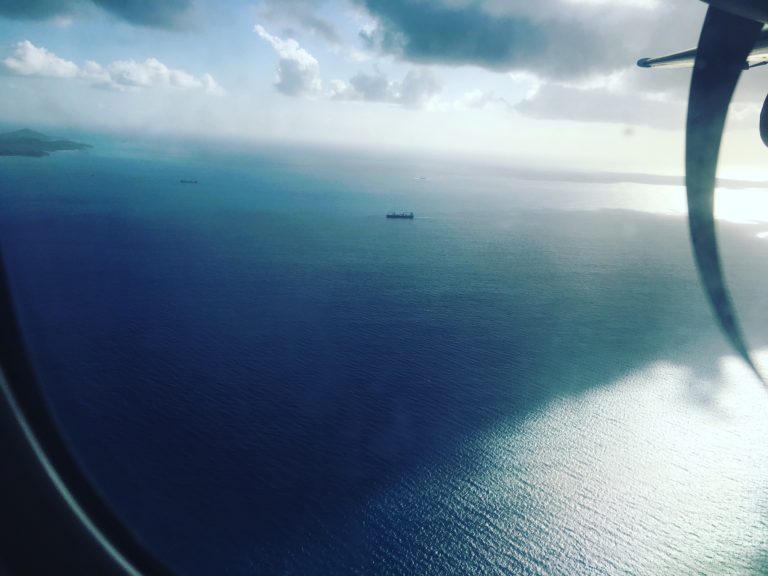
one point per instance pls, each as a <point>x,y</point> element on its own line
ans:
<point>361,287</point>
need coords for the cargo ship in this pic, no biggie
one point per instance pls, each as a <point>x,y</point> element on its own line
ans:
<point>403,215</point>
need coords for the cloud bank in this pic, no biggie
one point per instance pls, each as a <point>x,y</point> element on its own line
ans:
<point>30,60</point>
<point>490,34</point>
<point>416,89</point>
<point>601,104</point>
<point>479,99</point>
<point>301,13</point>
<point>298,75</point>
<point>157,13</point>
<point>568,46</point>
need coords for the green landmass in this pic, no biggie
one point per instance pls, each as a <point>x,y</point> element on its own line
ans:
<point>27,142</point>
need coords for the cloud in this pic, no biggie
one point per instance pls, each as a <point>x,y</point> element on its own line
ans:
<point>298,72</point>
<point>637,97</point>
<point>153,73</point>
<point>552,39</point>
<point>158,13</point>
<point>489,35</point>
<point>416,89</point>
<point>571,49</point>
<point>602,104</point>
<point>302,13</point>
<point>479,99</point>
<point>35,9</point>
<point>31,60</point>
<point>370,87</point>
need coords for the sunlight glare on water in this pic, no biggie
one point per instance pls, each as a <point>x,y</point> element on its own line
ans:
<point>734,205</point>
<point>747,205</point>
<point>662,472</point>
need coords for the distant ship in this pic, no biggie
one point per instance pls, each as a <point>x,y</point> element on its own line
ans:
<point>188,181</point>
<point>406,215</point>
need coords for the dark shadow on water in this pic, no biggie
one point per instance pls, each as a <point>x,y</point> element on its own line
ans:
<point>236,380</point>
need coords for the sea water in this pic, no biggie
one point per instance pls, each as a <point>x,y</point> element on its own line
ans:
<point>263,375</point>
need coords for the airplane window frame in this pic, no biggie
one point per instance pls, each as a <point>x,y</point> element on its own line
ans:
<point>54,521</point>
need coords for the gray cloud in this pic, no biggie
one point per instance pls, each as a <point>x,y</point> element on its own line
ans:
<point>417,87</point>
<point>415,90</point>
<point>479,99</point>
<point>660,104</point>
<point>158,13</point>
<point>655,97</point>
<point>513,35</point>
<point>567,46</point>
<point>559,102</point>
<point>559,42</point>
<point>301,13</point>
<point>372,87</point>
<point>35,9</point>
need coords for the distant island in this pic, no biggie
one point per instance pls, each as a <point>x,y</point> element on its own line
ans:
<point>30,143</point>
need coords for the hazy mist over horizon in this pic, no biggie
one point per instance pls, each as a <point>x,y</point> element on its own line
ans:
<point>549,85</point>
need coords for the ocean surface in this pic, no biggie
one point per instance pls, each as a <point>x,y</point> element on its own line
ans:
<point>263,375</point>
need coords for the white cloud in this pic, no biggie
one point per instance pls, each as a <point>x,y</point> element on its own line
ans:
<point>210,85</point>
<point>298,72</point>
<point>95,72</point>
<point>153,73</point>
<point>30,60</point>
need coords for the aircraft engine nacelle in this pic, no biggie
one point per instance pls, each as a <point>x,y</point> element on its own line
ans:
<point>764,122</point>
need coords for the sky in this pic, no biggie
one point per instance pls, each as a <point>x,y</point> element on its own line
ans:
<point>551,82</point>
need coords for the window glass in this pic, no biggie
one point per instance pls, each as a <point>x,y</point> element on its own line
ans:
<point>359,287</point>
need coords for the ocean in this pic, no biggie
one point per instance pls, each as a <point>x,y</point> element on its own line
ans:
<point>263,375</point>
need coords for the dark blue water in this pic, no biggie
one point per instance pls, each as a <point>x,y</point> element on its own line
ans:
<point>264,375</point>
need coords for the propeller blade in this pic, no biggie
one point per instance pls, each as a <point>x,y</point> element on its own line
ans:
<point>725,42</point>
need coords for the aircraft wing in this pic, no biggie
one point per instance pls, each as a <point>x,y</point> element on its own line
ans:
<point>729,43</point>
<point>726,41</point>
<point>758,56</point>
